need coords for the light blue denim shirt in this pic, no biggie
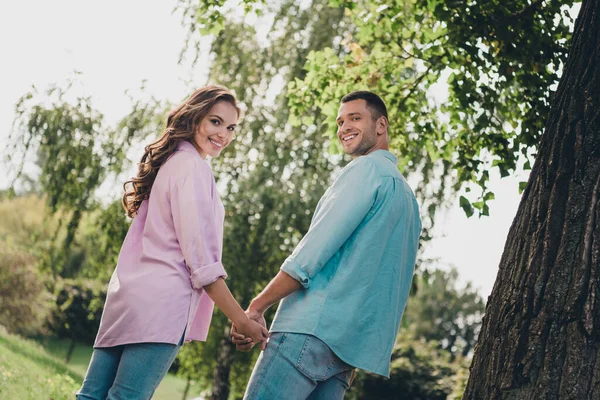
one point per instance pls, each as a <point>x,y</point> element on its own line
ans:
<point>356,264</point>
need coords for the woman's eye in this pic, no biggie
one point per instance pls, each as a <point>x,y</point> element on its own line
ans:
<point>216,121</point>
<point>231,128</point>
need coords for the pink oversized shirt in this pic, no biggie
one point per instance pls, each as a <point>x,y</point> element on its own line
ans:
<point>172,250</point>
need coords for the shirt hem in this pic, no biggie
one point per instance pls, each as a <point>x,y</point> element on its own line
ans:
<point>337,353</point>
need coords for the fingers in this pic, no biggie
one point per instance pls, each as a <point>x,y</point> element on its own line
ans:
<point>263,345</point>
<point>237,338</point>
<point>242,341</point>
<point>245,348</point>
<point>237,335</point>
<point>265,332</point>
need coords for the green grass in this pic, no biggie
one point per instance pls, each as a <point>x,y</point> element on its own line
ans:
<point>36,370</point>
<point>27,371</point>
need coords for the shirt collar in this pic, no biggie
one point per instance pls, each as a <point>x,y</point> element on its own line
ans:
<point>186,146</point>
<point>386,154</point>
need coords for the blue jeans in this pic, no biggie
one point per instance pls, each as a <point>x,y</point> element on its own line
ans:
<point>296,366</point>
<point>131,371</point>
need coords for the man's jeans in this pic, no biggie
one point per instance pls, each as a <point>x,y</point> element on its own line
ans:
<point>131,371</point>
<point>297,367</point>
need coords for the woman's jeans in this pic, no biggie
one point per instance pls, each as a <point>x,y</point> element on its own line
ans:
<point>297,367</point>
<point>131,371</point>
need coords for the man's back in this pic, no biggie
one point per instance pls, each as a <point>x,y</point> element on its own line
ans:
<point>356,264</point>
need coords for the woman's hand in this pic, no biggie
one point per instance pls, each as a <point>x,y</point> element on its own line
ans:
<point>243,343</point>
<point>252,330</point>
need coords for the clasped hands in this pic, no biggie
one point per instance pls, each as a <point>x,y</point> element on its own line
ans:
<point>245,342</point>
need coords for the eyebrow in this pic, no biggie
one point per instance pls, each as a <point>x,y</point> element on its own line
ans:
<point>220,119</point>
<point>351,114</point>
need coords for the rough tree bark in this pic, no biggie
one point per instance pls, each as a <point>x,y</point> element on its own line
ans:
<point>541,333</point>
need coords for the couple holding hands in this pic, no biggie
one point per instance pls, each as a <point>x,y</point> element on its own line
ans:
<point>343,289</point>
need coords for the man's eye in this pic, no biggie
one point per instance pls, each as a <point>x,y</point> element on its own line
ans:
<point>340,123</point>
<point>355,118</point>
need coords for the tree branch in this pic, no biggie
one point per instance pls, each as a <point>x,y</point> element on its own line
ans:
<point>415,85</point>
<point>530,7</point>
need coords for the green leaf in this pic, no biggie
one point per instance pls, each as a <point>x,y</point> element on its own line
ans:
<point>522,186</point>
<point>478,205</point>
<point>465,204</point>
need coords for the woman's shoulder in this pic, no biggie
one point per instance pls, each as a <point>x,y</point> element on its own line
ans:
<point>182,163</point>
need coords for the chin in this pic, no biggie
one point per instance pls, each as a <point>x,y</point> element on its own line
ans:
<point>349,149</point>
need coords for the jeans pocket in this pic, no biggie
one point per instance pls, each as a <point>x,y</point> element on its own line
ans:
<point>316,359</point>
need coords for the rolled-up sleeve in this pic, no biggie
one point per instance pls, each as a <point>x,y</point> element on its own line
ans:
<point>196,225</point>
<point>339,213</point>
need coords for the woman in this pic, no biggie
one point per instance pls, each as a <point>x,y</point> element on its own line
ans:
<point>169,273</point>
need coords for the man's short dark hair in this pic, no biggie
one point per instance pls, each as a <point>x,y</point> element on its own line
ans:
<point>374,102</point>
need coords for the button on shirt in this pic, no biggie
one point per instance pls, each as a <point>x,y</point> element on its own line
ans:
<point>356,264</point>
<point>171,251</point>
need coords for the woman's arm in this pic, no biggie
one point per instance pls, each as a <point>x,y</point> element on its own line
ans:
<point>221,295</point>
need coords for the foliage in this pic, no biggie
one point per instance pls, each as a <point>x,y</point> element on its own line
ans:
<point>440,311</point>
<point>25,302</point>
<point>419,370</point>
<point>499,62</point>
<point>78,309</point>
<point>76,152</point>
<point>24,224</point>
<point>100,239</point>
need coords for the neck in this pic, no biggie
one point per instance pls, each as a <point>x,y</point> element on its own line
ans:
<point>377,146</point>
<point>198,149</point>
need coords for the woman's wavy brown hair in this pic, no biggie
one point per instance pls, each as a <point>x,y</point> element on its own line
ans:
<point>181,125</point>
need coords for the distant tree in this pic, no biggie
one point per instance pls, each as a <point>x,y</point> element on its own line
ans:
<point>440,311</point>
<point>77,311</point>
<point>419,370</point>
<point>24,300</point>
<point>76,152</point>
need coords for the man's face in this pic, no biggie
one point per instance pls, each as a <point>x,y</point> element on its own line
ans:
<point>356,128</point>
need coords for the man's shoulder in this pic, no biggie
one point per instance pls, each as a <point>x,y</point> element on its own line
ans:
<point>383,164</point>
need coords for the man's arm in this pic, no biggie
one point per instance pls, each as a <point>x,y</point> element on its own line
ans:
<point>339,213</point>
<point>279,287</point>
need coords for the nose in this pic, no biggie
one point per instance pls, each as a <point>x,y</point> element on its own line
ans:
<point>344,128</point>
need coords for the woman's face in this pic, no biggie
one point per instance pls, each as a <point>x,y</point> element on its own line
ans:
<point>216,129</point>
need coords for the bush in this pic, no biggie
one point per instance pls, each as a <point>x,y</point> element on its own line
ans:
<point>24,300</point>
<point>419,371</point>
<point>78,309</point>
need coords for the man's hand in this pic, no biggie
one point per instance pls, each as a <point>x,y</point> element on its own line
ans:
<point>243,343</point>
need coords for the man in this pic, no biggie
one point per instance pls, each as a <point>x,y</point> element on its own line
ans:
<point>345,286</point>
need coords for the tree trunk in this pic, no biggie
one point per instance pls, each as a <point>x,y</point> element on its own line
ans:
<point>187,389</point>
<point>540,337</point>
<point>220,382</point>
<point>70,350</point>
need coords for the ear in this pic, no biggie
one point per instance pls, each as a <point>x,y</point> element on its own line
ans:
<point>382,125</point>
